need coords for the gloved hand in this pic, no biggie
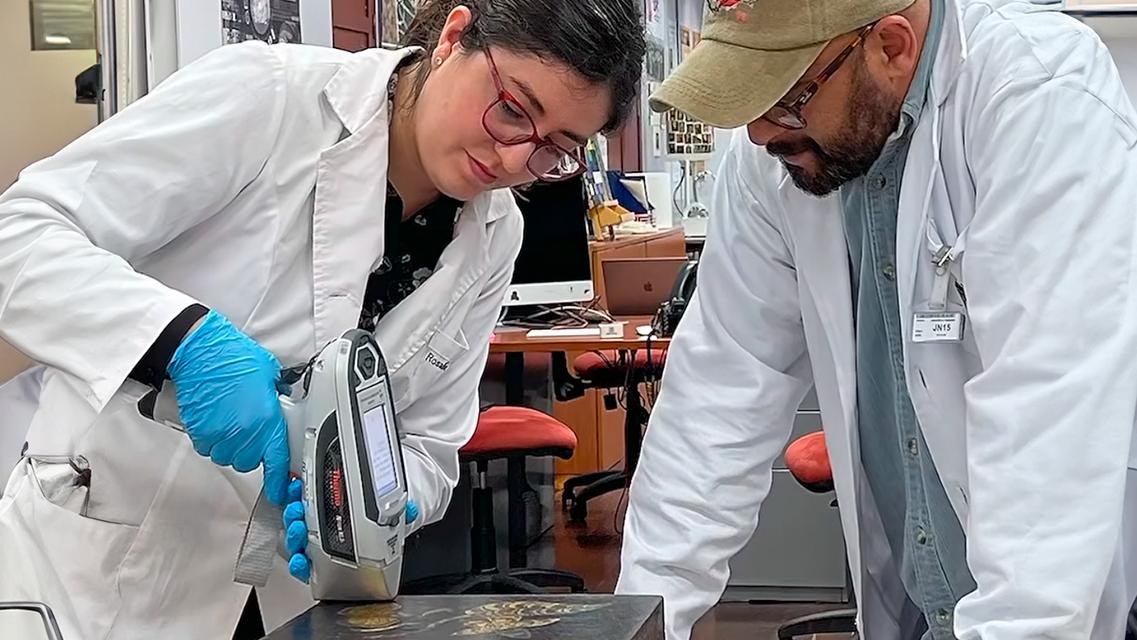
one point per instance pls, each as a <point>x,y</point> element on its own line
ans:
<point>296,531</point>
<point>227,390</point>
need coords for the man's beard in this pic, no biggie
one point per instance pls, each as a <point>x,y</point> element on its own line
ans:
<point>872,117</point>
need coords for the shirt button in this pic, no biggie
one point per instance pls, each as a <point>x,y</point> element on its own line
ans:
<point>943,616</point>
<point>913,447</point>
<point>889,271</point>
<point>879,182</point>
<point>921,536</point>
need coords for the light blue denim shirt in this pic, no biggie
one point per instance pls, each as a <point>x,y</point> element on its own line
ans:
<point>921,527</point>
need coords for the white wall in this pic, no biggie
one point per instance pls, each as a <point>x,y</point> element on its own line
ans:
<point>38,114</point>
<point>1120,36</point>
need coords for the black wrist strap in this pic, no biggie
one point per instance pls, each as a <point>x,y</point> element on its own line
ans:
<point>151,369</point>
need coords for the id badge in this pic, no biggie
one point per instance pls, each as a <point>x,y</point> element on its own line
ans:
<point>937,326</point>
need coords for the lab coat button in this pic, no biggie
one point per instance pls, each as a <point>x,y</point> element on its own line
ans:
<point>889,271</point>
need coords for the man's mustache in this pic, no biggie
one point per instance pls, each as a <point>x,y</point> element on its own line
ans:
<point>783,148</point>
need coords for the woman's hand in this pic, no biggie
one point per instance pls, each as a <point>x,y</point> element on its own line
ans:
<point>296,531</point>
<point>227,390</point>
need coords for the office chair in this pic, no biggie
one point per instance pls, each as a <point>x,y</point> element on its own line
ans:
<point>608,370</point>
<point>807,459</point>
<point>511,434</point>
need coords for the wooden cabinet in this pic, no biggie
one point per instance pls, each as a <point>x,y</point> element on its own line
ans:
<point>353,24</point>
<point>599,432</point>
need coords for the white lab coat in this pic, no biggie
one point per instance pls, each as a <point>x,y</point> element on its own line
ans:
<point>253,181</point>
<point>1027,142</point>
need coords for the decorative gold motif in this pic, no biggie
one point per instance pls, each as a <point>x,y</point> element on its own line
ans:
<point>374,617</point>
<point>516,615</point>
<point>511,618</point>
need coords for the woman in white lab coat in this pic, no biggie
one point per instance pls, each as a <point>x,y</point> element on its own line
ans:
<point>259,203</point>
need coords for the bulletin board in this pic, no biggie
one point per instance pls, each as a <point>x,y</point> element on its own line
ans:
<point>688,137</point>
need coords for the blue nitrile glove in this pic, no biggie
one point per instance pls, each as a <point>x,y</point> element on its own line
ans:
<point>227,389</point>
<point>296,531</point>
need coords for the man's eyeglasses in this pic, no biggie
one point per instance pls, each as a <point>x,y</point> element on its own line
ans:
<point>788,114</point>
<point>508,123</point>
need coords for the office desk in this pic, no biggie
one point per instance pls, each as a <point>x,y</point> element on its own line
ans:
<point>511,340</point>
<point>485,617</point>
<point>515,343</point>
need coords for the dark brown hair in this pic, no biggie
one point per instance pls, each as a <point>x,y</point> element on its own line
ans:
<point>602,40</point>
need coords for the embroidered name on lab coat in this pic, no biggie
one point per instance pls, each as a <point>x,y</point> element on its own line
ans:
<point>437,361</point>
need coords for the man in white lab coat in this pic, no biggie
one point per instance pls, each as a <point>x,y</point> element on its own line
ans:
<point>930,216</point>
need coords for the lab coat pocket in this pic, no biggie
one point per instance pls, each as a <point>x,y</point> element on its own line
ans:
<point>434,362</point>
<point>440,351</point>
<point>52,553</point>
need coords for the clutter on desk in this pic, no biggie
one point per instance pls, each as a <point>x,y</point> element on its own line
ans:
<point>612,330</point>
<point>604,210</point>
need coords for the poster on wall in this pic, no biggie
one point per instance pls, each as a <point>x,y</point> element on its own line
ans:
<point>396,16</point>
<point>654,62</point>
<point>653,17</point>
<point>688,38</point>
<point>271,21</point>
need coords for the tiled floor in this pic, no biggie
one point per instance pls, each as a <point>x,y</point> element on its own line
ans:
<point>592,551</point>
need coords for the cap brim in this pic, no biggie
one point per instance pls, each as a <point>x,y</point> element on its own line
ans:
<point>728,86</point>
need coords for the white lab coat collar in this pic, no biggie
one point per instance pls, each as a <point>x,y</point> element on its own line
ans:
<point>950,53</point>
<point>358,91</point>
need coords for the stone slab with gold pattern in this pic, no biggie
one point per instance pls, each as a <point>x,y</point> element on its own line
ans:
<point>483,617</point>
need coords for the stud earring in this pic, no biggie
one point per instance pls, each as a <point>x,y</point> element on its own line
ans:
<point>438,62</point>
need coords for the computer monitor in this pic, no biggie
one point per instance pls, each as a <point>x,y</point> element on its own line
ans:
<point>554,265</point>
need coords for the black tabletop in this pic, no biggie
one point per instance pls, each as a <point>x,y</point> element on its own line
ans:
<point>489,617</point>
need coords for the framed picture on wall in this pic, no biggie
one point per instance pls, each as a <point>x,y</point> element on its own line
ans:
<point>62,24</point>
<point>270,21</point>
<point>395,18</point>
<point>654,63</point>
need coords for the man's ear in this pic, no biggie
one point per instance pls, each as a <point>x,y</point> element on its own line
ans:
<point>892,48</point>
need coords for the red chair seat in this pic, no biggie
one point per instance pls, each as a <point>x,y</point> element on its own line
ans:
<point>505,432</point>
<point>605,369</point>
<point>807,458</point>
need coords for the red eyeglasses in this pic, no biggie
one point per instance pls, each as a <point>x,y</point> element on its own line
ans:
<point>508,123</point>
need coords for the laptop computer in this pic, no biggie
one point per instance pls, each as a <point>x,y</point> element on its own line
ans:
<point>637,286</point>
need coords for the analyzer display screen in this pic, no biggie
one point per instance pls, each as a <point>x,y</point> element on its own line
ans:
<point>380,450</point>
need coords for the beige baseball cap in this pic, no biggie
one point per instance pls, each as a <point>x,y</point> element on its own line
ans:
<point>753,51</point>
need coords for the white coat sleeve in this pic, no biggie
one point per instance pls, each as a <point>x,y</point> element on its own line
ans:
<point>736,373</point>
<point>72,224</point>
<point>1049,269</point>
<point>442,421</point>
